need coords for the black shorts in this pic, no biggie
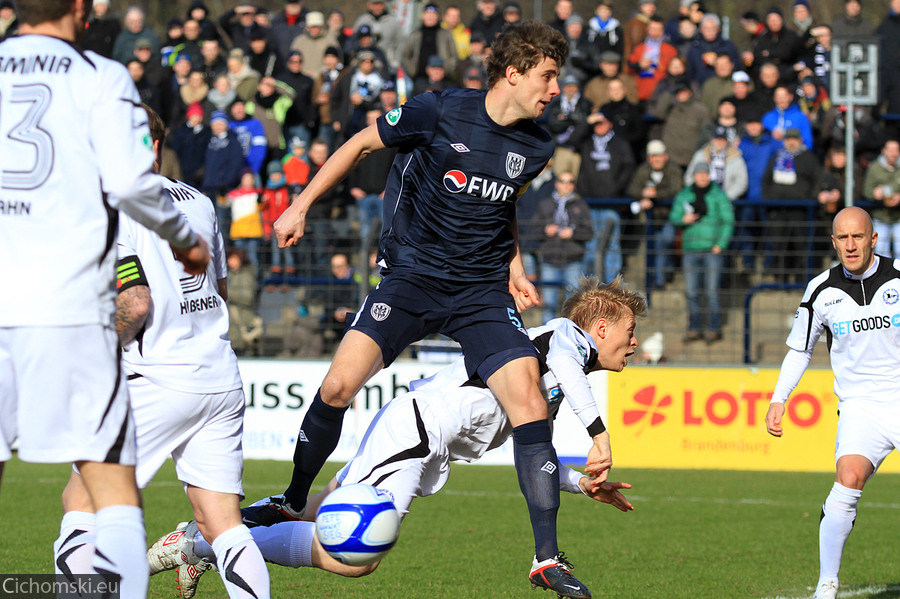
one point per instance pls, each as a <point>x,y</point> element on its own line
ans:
<point>481,317</point>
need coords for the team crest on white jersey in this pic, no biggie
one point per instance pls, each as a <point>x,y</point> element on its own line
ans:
<point>890,296</point>
<point>515,164</point>
<point>380,311</point>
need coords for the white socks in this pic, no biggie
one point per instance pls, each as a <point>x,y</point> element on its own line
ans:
<point>121,548</point>
<point>73,551</point>
<point>286,544</point>
<point>241,565</point>
<point>839,513</point>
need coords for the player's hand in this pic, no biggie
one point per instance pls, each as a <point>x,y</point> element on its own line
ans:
<point>773,419</point>
<point>289,226</point>
<point>195,258</point>
<point>524,292</point>
<point>606,492</point>
<point>599,458</point>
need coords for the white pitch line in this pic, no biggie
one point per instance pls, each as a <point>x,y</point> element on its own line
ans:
<point>869,591</point>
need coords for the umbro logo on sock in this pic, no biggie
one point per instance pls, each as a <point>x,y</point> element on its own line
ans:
<point>549,468</point>
<point>302,436</point>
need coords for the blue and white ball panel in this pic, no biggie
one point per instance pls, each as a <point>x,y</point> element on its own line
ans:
<point>357,524</point>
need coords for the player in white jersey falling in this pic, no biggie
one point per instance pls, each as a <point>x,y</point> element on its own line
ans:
<point>186,392</point>
<point>856,303</point>
<point>74,149</point>
<point>457,418</point>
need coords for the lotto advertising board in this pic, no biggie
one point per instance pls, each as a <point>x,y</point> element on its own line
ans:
<point>715,419</point>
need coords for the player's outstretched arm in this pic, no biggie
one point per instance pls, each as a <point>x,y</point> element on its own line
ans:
<point>290,225</point>
<point>599,458</point>
<point>773,418</point>
<point>606,492</point>
<point>194,258</point>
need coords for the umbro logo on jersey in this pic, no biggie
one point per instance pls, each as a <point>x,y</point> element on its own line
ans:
<point>890,296</point>
<point>548,467</point>
<point>393,117</point>
<point>515,164</point>
<point>461,148</point>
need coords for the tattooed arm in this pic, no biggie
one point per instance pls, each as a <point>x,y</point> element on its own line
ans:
<point>132,309</point>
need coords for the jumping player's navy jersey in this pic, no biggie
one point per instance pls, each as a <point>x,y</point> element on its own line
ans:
<point>451,193</point>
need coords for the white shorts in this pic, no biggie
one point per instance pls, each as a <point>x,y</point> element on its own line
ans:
<point>63,395</point>
<point>402,453</point>
<point>202,433</point>
<point>866,428</point>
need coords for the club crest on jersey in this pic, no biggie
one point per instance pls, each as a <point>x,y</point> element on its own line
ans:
<point>380,311</point>
<point>890,296</point>
<point>515,164</point>
<point>393,117</point>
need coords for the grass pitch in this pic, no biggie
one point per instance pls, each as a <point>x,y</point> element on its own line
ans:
<point>693,534</point>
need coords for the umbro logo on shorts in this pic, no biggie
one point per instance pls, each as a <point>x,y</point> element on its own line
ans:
<point>380,311</point>
<point>302,436</point>
<point>548,467</point>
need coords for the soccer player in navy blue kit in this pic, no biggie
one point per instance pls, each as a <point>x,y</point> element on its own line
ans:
<point>451,265</point>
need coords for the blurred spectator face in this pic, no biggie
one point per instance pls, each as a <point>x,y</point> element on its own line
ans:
<point>569,90</point>
<point>655,30</point>
<point>768,75</point>
<point>701,179</point>
<point>388,98</point>
<point>774,22</point>
<point>696,13</point>
<point>838,158</point>
<point>210,50</point>
<point>367,65</point>
<point>604,11</point>
<point>182,68</point>
<point>487,8</point>
<point>261,18</point>
<point>248,180</point>
<point>609,69</point>
<point>136,70</point>
<point>477,48</point>
<point>292,8</point>
<point>719,143</point>
<point>684,95</point>
<point>676,67</point>
<point>330,61</point>
<point>258,46</point>
<point>852,8</point>
<point>295,64</point>
<point>238,111</point>
<point>895,6</point>
<point>198,14</point>
<point>314,31</point>
<point>724,66</point>
<point>430,18</point>
<point>196,80</point>
<point>512,16</point>
<point>100,10</point>
<point>235,64</point>
<point>801,13</point>
<point>335,21</point>
<point>563,9</point>
<point>318,153</point>
<point>687,29</point>
<point>891,151</point>
<point>222,85</point>
<point>452,17</point>
<point>783,98</point>
<point>753,128</point>
<point>809,89</point>
<point>195,119</point>
<point>176,31</point>
<point>573,30</point>
<point>709,30</point>
<point>143,54</point>
<point>647,9</point>
<point>658,161</point>
<point>218,127</point>
<point>727,110</point>
<point>602,127</point>
<point>616,90</point>
<point>266,86</point>
<point>740,89</point>
<point>191,30</point>
<point>435,73</point>
<point>565,183</point>
<point>245,15</point>
<point>134,20</point>
<point>376,8</point>
<point>792,144</point>
<point>340,266</point>
<point>372,116</point>
<point>822,35</point>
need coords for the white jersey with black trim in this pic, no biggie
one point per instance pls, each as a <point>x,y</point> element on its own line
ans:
<point>72,131</point>
<point>184,344</point>
<point>860,316</point>
<point>473,421</point>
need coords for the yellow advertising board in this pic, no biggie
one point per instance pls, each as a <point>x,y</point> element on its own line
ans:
<point>715,419</point>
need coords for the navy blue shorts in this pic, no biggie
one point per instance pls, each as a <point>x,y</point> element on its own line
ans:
<point>481,317</point>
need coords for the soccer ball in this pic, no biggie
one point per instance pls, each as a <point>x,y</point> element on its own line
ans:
<point>357,524</point>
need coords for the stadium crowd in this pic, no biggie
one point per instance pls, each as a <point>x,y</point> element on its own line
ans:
<point>255,102</point>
